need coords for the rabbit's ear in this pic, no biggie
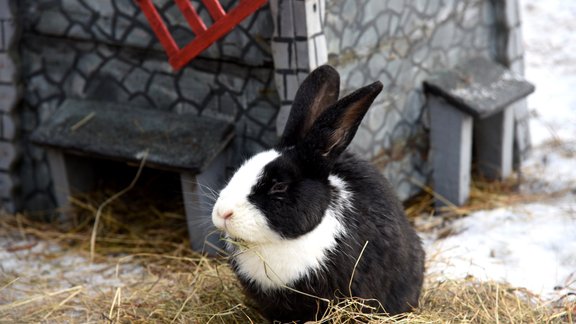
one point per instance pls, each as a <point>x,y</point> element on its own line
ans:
<point>317,92</point>
<point>335,128</point>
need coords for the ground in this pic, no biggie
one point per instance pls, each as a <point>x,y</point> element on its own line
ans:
<point>521,243</point>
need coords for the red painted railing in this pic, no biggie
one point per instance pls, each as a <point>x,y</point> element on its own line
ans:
<point>205,36</point>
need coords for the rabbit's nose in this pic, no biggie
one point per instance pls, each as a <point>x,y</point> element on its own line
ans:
<point>227,214</point>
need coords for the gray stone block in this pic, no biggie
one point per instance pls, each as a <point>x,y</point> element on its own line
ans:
<point>40,202</point>
<point>451,152</point>
<point>198,191</point>
<point>488,14</point>
<point>193,85</point>
<point>300,18</point>
<point>9,127</point>
<point>373,8</point>
<point>284,22</point>
<point>479,87</point>
<point>415,102</point>
<point>284,57</point>
<point>5,10</point>
<point>481,39</point>
<point>522,138</point>
<point>512,13</point>
<point>396,5</point>
<point>471,16</point>
<point>443,35</point>
<point>117,132</point>
<point>28,120</point>
<point>77,83</point>
<point>43,87</point>
<point>8,155</point>
<point>282,118</point>
<point>313,16</point>
<point>375,117</point>
<point>3,37</point>
<point>446,11</point>
<point>162,93</point>
<point>393,24</point>
<point>420,54</point>
<point>8,97</point>
<point>55,21</point>
<point>349,11</point>
<point>185,108</point>
<point>7,68</point>
<point>486,91</point>
<point>493,139</point>
<point>432,7</point>
<point>6,185</point>
<point>60,178</point>
<point>320,51</point>
<point>43,177</point>
<point>291,86</point>
<point>89,63</point>
<point>515,47</point>
<point>68,174</point>
<point>26,176</point>
<point>517,65</point>
<point>420,6</point>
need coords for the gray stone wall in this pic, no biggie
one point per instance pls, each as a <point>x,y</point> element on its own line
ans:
<point>9,98</point>
<point>401,43</point>
<point>104,50</point>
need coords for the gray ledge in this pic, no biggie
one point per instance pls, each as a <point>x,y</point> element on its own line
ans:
<point>120,132</point>
<point>479,87</point>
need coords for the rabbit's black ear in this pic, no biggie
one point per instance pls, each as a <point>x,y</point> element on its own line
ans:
<point>335,128</point>
<point>317,92</point>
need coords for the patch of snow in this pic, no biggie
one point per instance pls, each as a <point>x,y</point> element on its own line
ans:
<point>531,245</point>
<point>551,168</point>
<point>550,57</point>
<point>43,266</point>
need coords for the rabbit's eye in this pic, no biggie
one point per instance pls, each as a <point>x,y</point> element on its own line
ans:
<point>278,187</point>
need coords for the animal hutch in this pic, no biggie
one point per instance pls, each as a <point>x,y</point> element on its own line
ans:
<point>80,58</point>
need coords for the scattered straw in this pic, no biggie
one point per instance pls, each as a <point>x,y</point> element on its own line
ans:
<point>484,195</point>
<point>82,122</point>
<point>354,269</point>
<point>108,201</point>
<point>143,271</point>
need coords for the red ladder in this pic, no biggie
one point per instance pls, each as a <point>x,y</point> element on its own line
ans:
<point>205,36</point>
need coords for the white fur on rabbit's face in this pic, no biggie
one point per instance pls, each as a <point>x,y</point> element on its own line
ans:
<point>247,222</point>
<point>272,261</point>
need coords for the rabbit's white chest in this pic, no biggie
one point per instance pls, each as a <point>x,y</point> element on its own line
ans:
<point>280,264</point>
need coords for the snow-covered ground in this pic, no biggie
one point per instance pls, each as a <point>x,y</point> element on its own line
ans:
<point>531,245</point>
<point>31,268</point>
<point>550,45</point>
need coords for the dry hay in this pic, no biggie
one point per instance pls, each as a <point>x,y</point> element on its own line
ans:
<point>145,255</point>
<point>484,195</point>
<point>147,273</point>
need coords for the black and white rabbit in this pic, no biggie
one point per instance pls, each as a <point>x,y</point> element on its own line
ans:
<point>302,212</point>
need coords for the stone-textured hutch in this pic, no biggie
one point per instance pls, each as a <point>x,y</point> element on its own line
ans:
<point>54,50</point>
